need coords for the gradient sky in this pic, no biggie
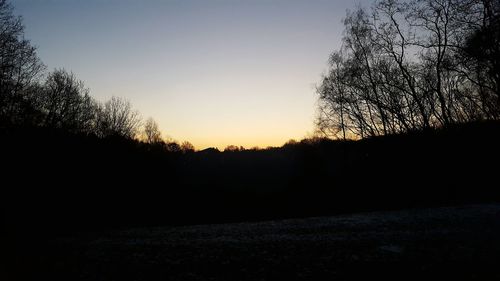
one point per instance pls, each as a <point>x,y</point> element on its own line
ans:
<point>211,72</point>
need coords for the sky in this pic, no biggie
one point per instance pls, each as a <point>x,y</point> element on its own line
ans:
<point>211,72</point>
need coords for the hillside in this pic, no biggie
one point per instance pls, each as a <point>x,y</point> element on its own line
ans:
<point>59,182</point>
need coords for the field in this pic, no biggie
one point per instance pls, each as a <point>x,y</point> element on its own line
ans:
<point>435,243</point>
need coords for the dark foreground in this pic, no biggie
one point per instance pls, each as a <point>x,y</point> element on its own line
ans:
<point>451,243</point>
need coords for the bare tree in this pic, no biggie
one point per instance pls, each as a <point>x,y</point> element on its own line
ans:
<point>332,109</point>
<point>151,133</point>
<point>231,148</point>
<point>117,118</point>
<point>65,102</point>
<point>411,64</point>
<point>479,59</point>
<point>20,66</point>
<point>187,147</point>
<point>173,146</point>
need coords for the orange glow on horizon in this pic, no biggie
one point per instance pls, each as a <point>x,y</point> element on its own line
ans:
<point>246,142</point>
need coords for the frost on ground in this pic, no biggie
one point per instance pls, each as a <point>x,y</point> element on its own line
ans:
<point>437,243</point>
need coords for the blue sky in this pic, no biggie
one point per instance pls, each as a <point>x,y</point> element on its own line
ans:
<point>211,72</point>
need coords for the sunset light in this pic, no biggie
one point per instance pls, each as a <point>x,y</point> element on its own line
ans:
<point>213,73</point>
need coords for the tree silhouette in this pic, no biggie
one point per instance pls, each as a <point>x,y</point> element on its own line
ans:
<point>151,132</point>
<point>412,65</point>
<point>187,147</point>
<point>117,118</point>
<point>480,62</point>
<point>173,146</point>
<point>66,103</point>
<point>60,101</point>
<point>20,67</point>
<point>231,148</point>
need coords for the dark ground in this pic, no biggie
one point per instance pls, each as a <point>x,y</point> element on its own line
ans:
<point>450,243</point>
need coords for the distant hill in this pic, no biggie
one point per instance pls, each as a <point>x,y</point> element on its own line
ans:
<point>209,150</point>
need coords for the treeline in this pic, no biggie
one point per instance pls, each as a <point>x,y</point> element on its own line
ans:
<point>58,182</point>
<point>30,97</point>
<point>413,65</point>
